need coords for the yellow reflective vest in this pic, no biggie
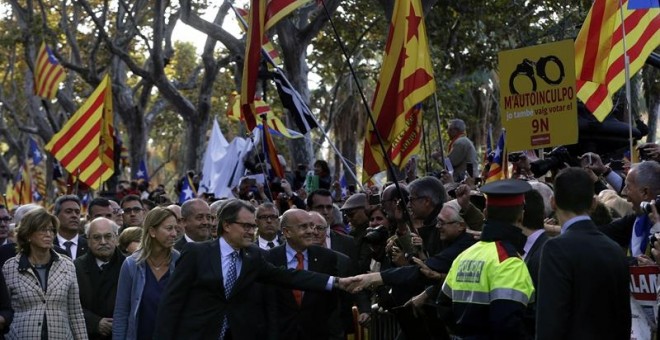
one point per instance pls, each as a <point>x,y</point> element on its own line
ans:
<point>489,286</point>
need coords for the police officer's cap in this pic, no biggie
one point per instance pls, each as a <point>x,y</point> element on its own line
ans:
<point>506,193</point>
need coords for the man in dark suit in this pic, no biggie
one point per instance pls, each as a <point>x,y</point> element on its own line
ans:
<point>210,295</point>
<point>584,290</point>
<point>67,210</point>
<point>299,312</point>
<point>5,220</point>
<point>196,219</point>
<point>98,274</point>
<point>268,226</point>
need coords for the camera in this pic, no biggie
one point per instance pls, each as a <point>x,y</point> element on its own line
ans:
<point>643,154</point>
<point>377,235</point>
<point>515,157</point>
<point>554,160</point>
<point>646,206</point>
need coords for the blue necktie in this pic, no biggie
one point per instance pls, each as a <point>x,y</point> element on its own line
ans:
<point>230,280</point>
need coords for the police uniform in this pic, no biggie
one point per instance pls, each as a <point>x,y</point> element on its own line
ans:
<point>488,286</point>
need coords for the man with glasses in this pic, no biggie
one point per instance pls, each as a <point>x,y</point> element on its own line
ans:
<point>117,213</point>
<point>67,210</point>
<point>303,314</point>
<point>196,217</point>
<point>133,211</point>
<point>355,211</point>
<point>427,195</point>
<point>212,295</point>
<point>5,220</point>
<point>268,226</point>
<point>320,201</point>
<point>98,274</point>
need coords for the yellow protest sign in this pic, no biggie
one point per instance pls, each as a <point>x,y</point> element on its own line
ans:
<point>537,96</point>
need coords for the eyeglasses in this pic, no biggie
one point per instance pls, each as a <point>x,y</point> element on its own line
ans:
<point>442,224</point>
<point>245,225</point>
<point>133,210</point>
<point>320,227</point>
<point>322,207</point>
<point>6,219</point>
<point>99,238</point>
<point>413,199</point>
<point>47,229</point>
<point>118,211</point>
<point>267,217</point>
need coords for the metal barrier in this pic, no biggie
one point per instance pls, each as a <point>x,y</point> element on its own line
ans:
<point>383,326</point>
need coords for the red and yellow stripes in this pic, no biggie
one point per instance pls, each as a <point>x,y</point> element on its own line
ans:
<point>85,145</point>
<point>405,80</point>
<point>48,73</point>
<point>599,59</point>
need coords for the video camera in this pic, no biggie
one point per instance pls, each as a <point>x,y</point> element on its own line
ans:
<point>554,160</point>
<point>646,206</point>
<point>377,235</point>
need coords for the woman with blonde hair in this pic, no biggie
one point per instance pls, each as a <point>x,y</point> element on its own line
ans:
<point>144,277</point>
<point>42,284</point>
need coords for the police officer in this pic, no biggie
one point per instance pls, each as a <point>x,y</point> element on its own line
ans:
<point>488,286</point>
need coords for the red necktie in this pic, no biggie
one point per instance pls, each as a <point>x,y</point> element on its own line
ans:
<point>297,294</point>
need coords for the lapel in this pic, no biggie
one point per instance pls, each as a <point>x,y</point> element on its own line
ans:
<point>31,282</point>
<point>313,260</point>
<point>82,246</point>
<point>216,262</point>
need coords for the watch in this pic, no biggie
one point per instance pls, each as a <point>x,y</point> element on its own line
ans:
<point>335,282</point>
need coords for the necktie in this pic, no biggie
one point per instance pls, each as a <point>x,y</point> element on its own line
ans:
<point>270,244</point>
<point>297,294</point>
<point>230,280</point>
<point>67,247</point>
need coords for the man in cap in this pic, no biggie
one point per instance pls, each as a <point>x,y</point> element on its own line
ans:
<point>488,286</point>
<point>584,290</point>
<point>355,211</point>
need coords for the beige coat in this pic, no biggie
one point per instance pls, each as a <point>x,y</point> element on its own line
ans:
<point>60,303</point>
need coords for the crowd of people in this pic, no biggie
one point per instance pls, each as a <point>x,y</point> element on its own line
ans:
<point>517,258</point>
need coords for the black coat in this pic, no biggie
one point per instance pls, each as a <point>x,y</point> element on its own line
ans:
<point>194,303</point>
<point>98,290</point>
<point>584,290</point>
<point>80,251</point>
<point>311,319</point>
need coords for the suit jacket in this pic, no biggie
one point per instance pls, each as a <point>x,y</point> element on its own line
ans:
<point>98,290</point>
<point>82,246</point>
<point>194,303</point>
<point>533,262</point>
<point>310,319</point>
<point>620,230</point>
<point>584,290</point>
<point>5,307</point>
<point>60,303</point>
<point>180,243</point>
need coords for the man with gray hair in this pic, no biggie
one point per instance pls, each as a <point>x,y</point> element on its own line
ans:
<point>460,150</point>
<point>427,195</point>
<point>98,274</point>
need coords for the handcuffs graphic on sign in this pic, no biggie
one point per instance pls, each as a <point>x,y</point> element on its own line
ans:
<point>526,68</point>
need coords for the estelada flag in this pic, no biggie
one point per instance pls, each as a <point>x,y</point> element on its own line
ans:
<point>48,73</point>
<point>405,80</point>
<point>85,144</point>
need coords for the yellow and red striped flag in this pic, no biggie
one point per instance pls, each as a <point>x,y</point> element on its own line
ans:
<point>405,80</point>
<point>85,144</point>
<point>48,73</point>
<point>262,16</point>
<point>498,166</point>
<point>599,59</point>
<point>266,44</point>
<point>234,107</point>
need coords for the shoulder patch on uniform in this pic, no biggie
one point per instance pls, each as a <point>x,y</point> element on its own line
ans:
<point>505,250</point>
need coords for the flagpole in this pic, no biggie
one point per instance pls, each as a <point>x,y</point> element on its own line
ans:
<point>286,80</point>
<point>426,150</point>
<point>626,63</point>
<point>437,123</point>
<point>388,161</point>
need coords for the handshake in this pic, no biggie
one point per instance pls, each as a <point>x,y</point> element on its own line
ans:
<point>358,283</point>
